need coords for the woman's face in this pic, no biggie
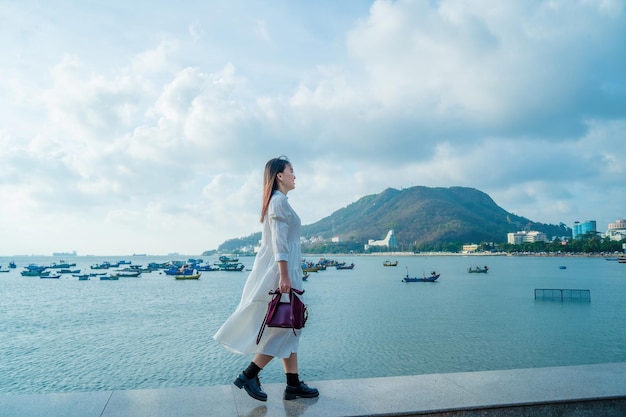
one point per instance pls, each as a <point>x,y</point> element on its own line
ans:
<point>287,179</point>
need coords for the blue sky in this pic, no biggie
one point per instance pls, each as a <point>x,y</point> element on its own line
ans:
<point>144,126</point>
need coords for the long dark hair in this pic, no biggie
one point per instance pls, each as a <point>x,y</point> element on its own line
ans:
<point>272,168</point>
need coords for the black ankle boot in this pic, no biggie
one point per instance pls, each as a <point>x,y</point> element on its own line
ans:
<point>302,391</point>
<point>252,386</point>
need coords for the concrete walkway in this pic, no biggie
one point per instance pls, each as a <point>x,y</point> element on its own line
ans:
<point>572,391</point>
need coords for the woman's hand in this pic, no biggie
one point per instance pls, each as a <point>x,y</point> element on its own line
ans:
<point>284,284</point>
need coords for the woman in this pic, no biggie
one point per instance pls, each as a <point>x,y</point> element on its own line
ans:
<point>277,265</point>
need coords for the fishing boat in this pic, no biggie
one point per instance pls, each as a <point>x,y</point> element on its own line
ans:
<point>207,268</point>
<point>69,271</point>
<point>195,276</point>
<point>351,266</point>
<point>310,266</point>
<point>432,278</point>
<point>62,265</point>
<point>82,277</point>
<point>104,265</point>
<point>109,278</point>
<point>12,265</point>
<point>34,271</point>
<point>49,276</point>
<point>231,267</point>
<point>127,274</point>
<point>478,270</point>
<point>389,263</point>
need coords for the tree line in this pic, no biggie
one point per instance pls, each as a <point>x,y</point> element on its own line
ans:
<point>588,243</point>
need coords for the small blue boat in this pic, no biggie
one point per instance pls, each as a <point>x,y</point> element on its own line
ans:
<point>432,278</point>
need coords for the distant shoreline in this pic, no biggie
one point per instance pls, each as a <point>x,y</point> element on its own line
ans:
<point>543,255</point>
<point>328,255</point>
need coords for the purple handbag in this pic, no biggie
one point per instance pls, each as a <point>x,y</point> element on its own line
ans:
<point>292,315</point>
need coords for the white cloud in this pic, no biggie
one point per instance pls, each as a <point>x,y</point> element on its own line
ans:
<point>160,133</point>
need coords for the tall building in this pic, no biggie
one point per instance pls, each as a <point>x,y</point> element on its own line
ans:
<point>581,229</point>
<point>532,236</point>
<point>617,230</point>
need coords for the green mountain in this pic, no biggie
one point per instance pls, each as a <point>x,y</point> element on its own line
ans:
<point>422,218</point>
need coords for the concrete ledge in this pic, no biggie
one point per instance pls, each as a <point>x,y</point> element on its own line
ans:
<point>572,391</point>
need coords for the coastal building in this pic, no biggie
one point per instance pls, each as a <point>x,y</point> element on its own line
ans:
<point>389,241</point>
<point>581,229</point>
<point>517,238</point>
<point>470,248</point>
<point>617,230</point>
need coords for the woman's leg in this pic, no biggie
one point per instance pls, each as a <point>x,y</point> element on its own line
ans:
<point>290,364</point>
<point>249,378</point>
<point>296,388</point>
<point>261,360</point>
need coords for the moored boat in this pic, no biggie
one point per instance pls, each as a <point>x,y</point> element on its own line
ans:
<point>389,263</point>
<point>351,266</point>
<point>432,278</point>
<point>207,268</point>
<point>478,270</point>
<point>33,270</point>
<point>127,274</point>
<point>104,265</point>
<point>69,271</point>
<point>195,276</point>
<point>232,267</point>
<point>109,278</point>
<point>82,277</point>
<point>62,265</point>
<point>226,259</point>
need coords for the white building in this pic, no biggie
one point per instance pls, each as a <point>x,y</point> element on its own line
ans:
<point>532,236</point>
<point>617,230</point>
<point>389,241</point>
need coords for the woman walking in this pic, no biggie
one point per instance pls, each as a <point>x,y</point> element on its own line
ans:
<point>277,265</point>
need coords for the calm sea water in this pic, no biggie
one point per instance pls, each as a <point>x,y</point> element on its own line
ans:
<point>63,335</point>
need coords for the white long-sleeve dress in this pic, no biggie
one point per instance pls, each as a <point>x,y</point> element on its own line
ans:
<point>280,241</point>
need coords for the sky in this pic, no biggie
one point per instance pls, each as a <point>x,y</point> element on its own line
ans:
<point>144,126</point>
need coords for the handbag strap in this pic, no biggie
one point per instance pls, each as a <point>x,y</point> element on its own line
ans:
<point>292,297</point>
<point>270,310</point>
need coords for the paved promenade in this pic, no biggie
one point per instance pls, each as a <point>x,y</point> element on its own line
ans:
<point>572,391</point>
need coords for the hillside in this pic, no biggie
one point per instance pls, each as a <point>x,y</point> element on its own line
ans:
<point>422,218</point>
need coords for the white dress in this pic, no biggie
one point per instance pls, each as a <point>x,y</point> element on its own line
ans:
<point>280,241</point>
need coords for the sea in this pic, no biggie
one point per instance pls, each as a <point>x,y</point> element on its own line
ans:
<point>66,335</point>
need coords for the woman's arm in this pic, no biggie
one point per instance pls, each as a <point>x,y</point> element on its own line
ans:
<point>284,281</point>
